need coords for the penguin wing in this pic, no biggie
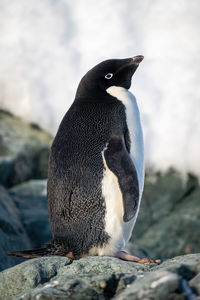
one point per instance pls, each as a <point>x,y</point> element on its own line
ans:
<point>119,162</point>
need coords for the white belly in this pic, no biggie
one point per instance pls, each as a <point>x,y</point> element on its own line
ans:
<point>119,231</point>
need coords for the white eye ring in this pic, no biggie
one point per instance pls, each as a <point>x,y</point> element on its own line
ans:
<point>109,75</point>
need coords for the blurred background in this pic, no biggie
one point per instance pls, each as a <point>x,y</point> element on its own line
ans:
<point>45,48</point>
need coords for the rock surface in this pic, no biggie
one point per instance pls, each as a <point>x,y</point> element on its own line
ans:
<point>101,278</point>
<point>31,187</point>
<point>24,150</point>
<point>30,200</point>
<point>12,232</point>
<point>168,223</point>
<point>24,220</point>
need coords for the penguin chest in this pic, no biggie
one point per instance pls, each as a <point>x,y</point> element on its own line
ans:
<point>114,211</point>
<point>113,215</point>
<point>135,130</point>
<point>118,230</point>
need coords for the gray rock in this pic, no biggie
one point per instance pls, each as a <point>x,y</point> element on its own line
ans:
<point>26,205</point>
<point>12,232</point>
<point>30,274</point>
<point>195,284</point>
<point>169,219</point>
<point>155,285</point>
<point>100,278</point>
<point>30,199</point>
<point>34,217</point>
<point>24,150</point>
<point>31,188</point>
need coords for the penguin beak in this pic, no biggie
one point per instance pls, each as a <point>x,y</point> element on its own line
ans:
<point>137,59</point>
<point>127,68</point>
<point>132,67</point>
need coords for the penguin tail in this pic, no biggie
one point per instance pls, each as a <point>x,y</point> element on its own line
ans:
<point>52,248</point>
<point>32,253</point>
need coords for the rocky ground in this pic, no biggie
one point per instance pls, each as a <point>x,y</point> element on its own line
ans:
<point>102,278</point>
<point>168,225</point>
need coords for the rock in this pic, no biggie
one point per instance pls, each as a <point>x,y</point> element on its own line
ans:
<point>30,199</point>
<point>31,188</point>
<point>155,285</point>
<point>24,220</point>
<point>29,275</point>
<point>194,283</point>
<point>169,219</point>
<point>24,150</point>
<point>100,278</point>
<point>12,232</point>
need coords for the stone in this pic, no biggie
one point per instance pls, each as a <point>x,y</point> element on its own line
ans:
<point>24,150</point>
<point>31,188</point>
<point>12,232</point>
<point>30,274</point>
<point>194,283</point>
<point>155,285</point>
<point>100,278</point>
<point>30,199</point>
<point>23,206</point>
<point>168,223</point>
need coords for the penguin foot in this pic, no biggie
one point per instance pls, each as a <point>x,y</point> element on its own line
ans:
<point>126,256</point>
<point>145,260</point>
<point>70,255</point>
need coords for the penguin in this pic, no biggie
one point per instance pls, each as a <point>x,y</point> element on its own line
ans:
<point>96,168</point>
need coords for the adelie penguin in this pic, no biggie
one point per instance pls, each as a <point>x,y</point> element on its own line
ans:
<point>96,168</point>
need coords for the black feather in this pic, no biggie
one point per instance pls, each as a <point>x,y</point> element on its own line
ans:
<point>32,253</point>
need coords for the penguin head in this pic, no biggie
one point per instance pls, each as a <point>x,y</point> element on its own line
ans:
<point>112,72</point>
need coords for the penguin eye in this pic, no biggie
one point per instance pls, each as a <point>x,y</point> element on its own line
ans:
<point>109,75</point>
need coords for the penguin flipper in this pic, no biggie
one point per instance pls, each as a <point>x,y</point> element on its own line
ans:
<point>119,162</point>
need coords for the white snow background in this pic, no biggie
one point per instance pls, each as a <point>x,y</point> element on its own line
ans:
<point>46,46</point>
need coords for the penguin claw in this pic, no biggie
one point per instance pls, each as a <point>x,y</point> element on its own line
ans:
<point>128,257</point>
<point>149,260</point>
